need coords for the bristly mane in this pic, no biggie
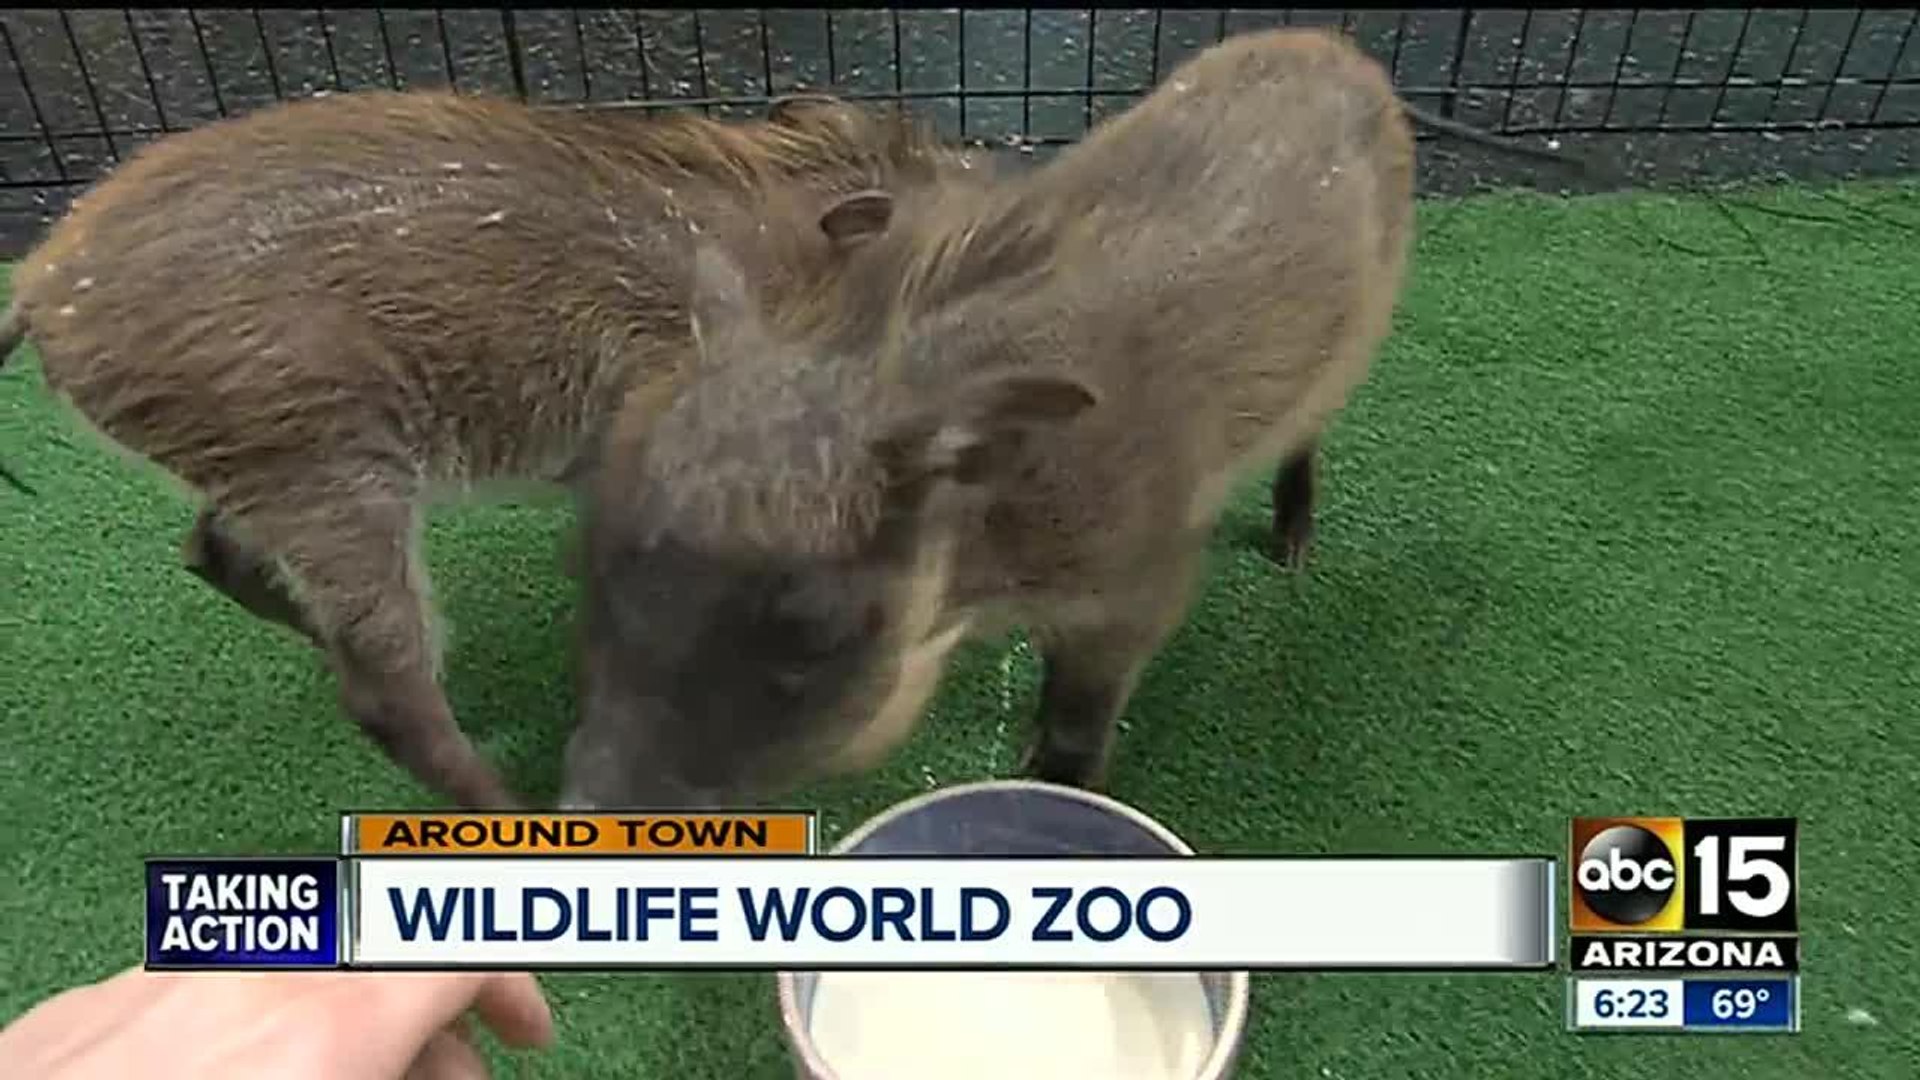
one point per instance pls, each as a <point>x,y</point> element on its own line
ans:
<point>886,146</point>
<point>946,241</point>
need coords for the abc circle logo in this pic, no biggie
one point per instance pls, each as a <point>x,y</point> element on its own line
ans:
<point>1627,875</point>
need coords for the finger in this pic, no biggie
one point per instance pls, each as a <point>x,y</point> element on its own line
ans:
<point>515,1009</point>
<point>114,993</point>
<point>396,1013</point>
<point>447,1056</point>
<point>74,1020</point>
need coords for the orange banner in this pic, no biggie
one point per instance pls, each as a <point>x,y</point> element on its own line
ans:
<point>579,834</point>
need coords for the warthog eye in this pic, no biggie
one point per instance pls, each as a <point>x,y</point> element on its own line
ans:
<point>809,622</point>
<point>792,681</point>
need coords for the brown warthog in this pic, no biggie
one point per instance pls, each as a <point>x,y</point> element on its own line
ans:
<point>1021,405</point>
<point>321,314</point>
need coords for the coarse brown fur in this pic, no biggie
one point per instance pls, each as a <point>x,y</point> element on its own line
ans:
<point>324,313</point>
<point>1022,404</point>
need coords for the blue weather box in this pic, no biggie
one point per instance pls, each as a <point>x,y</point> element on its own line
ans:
<point>243,913</point>
<point>1739,1003</point>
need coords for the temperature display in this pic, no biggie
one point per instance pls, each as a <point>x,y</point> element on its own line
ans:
<point>1751,1004</point>
<point>1695,1004</point>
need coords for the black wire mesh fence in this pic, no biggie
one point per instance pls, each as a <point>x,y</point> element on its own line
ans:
<point>82,88</point>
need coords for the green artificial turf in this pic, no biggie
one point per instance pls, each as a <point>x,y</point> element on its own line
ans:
<point>1614,529</point>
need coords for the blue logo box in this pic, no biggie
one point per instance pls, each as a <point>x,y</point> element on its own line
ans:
<point>243,913</point>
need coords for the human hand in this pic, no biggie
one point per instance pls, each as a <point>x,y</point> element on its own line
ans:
<point>291,1025</point>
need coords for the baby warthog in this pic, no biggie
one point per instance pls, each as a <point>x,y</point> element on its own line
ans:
<point>1025,405</point>
<point>321,314</point>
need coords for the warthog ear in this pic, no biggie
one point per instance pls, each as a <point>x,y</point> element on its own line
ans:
<point>722,302</point>
<point>964,435</point>
<point>856,217</point>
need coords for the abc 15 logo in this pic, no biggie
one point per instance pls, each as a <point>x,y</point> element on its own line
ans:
<point>1652,875</point>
